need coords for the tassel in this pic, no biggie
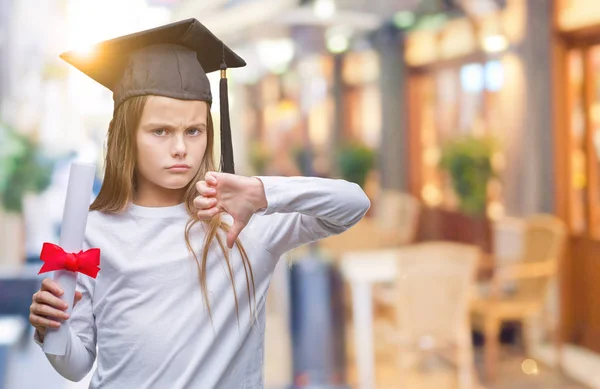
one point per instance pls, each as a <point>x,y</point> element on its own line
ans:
<point>227,165</point>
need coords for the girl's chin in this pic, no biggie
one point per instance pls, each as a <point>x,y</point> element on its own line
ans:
<point>176,183</point>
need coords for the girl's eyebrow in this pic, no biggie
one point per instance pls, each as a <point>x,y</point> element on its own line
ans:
<point>166,125</point>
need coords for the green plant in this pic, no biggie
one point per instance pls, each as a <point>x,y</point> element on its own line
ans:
<point>23,168</point>
<point>468,161</point>
<point>355,161</point>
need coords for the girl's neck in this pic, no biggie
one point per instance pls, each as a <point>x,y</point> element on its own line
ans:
<point>157,197</point>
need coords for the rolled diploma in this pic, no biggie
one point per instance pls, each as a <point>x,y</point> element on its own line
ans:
<point>77,203</point>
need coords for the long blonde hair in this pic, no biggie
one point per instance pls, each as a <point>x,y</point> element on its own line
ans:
<point>119,186</point>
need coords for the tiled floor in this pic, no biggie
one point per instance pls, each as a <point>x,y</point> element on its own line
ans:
<point>437,374</point>
<point>511,373</point>
<point>433,375</point>
<point>511,376</point>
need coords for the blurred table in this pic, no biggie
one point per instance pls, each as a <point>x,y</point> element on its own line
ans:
<point>362,269</point>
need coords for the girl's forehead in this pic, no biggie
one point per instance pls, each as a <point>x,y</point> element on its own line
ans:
<point>166,108</point>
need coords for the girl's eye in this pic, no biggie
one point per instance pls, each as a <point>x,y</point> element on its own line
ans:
<point>159,132</point>
<point>194,131</point>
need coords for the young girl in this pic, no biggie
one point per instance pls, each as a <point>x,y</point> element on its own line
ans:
<point>175,304</point>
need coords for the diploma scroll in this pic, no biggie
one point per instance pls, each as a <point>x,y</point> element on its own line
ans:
<point>77,202</point>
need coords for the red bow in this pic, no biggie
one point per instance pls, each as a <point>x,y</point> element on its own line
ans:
<point>55,258</point>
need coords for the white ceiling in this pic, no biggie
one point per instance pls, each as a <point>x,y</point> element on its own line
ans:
<point>244,20</point>
<point>381,8</point>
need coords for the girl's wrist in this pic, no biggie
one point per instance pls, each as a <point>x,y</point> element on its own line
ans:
<point>257,195</point>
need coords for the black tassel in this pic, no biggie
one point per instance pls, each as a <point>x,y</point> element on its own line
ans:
<point>227,165</point>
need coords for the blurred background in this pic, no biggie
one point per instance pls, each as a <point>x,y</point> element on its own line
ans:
<point>472,125</point>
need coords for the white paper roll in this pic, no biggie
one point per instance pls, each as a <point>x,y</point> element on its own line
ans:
<point>77,203</point>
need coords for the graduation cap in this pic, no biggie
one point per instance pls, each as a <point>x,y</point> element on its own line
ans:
<point>171,61</point>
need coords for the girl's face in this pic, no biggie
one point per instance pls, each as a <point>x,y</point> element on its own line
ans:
<point>171,142</point>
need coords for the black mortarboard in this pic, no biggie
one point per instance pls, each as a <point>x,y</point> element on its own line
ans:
<point>170,60</point>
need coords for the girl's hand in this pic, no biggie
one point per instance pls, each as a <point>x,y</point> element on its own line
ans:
<point>47,307</point>
<point>238,196</point>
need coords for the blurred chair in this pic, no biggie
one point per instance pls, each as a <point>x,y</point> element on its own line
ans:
<point>395,223</point>
<point>433,293</point>
<point>398,211</point>
<point>528,280</point>
<point>507,240</point>
<point>367,234</point>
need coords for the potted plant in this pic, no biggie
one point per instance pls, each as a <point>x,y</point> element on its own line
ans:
<point>23,170</point>
<point>355,161</point>
<point>468,162</point>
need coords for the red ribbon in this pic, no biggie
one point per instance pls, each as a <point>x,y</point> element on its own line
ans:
<point>55,258</point>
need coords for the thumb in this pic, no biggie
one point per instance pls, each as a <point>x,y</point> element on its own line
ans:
<point>211,178</point>
<point>233,233</point>
<point>78,297</point>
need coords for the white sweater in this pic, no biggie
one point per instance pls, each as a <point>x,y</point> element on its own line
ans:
<point>144,317</point>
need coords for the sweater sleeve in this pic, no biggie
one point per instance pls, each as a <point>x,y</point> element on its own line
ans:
<point>302,210</point>
<point>81,346</point>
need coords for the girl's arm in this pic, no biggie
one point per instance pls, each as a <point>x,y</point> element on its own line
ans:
<point>305,209</point>
<point>81,347</point>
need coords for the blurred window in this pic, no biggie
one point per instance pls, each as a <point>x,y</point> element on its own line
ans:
<point>577,152</point>
<point>453,101</point>
<point>584,146</point>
